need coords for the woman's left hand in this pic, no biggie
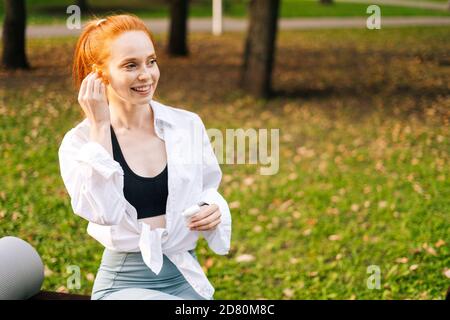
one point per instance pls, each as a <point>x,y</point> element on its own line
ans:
<point>206,219</point>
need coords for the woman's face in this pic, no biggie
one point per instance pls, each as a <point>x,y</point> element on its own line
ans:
<point>133,73</point>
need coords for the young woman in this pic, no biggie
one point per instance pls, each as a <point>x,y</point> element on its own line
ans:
<point>133,165</point>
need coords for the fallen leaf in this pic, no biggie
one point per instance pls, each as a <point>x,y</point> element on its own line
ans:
<point>447,272</point>
<point>257,228</point>
<point>293,260</point>
<point>382,204</point>
<point>402,260</point>
<point>234,205</point>
<point>334,237</point>
<point>209,263</point>
<point>288,292</point>
<point>296,214</point>
<point>413,267</point>
<point>90,277</point>
<point>431,251</point>
<point>245,258</point>
<point>292,176</point>
<point>285,205</point>
<point>439,243</point>
<point>313,274</point>
<point>47,271</point>
<point>248,181</point>
<point>62,289</point>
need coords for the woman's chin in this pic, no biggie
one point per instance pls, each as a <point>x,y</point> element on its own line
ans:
<point>148,98</point>
<point>141,100</point>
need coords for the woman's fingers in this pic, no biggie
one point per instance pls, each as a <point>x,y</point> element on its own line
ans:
<point>86,85</point>
<point>206,223</point>
<point>90,86</point>
<point>83,87</point>
<point>102,89</point>
<point>210,226</point>
<point>103,92</point>
<point>205,211</point>
<point>93,100</point>
<point>97,87</point>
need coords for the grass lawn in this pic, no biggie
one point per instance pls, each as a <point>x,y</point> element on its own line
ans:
<point>52,11</point>
<point>364,163</point>
<point>442,1</point>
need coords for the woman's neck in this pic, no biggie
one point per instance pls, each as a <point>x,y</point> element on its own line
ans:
<point>126,116</point>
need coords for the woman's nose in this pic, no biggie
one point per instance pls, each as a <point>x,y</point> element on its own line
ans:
<point>145,74</point>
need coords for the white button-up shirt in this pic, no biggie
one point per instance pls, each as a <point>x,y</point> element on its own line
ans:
<point>94,181</point>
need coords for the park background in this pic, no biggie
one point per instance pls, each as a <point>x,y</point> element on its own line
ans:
<point>364,147</point>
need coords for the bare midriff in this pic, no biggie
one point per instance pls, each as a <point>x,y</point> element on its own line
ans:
<point>155,222</point>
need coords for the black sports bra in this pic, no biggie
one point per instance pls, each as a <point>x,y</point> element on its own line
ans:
<point>147,194</point>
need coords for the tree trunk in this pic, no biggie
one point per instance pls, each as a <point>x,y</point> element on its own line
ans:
<point>178,28</point>
<point>14,56</point>
<point>260,47</point>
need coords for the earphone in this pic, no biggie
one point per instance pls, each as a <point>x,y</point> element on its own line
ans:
<point>100,73</point>
<point>191,211</point>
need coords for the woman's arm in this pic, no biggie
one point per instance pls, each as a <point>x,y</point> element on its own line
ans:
<point>93,179</point>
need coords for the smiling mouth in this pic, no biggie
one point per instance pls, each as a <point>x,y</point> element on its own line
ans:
<point>142,89</point>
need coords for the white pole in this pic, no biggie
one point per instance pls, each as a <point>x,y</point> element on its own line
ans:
<point>217,23</point>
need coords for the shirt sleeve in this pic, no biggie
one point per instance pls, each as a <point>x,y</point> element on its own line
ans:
<point>93,180</point>
<point>218,239</point>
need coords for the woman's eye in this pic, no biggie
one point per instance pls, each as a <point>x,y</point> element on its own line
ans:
<point>133,65</point>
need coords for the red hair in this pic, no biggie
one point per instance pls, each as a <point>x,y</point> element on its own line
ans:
<point>92,47</point>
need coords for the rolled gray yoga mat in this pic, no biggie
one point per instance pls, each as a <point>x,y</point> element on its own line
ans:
<point>21,269</point>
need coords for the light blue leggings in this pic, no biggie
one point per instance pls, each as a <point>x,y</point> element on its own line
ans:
<point>125,276</point>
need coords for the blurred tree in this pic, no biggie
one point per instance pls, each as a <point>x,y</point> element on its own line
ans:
<point>83,4</point>
<point>178,28</point>
<point>260,47</point>
<point>326,1</point>
<point>14,56</point>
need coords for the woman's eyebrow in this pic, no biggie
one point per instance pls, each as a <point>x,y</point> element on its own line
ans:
<point>133,59</point>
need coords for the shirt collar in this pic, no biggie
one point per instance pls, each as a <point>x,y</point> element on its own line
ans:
<point>161,112</point>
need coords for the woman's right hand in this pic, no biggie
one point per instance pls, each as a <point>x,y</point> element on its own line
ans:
<point>93,100</point>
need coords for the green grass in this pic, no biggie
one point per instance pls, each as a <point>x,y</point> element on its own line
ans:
<point>364,154</point>
<point>48,12</point>
<point>432,1</point>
